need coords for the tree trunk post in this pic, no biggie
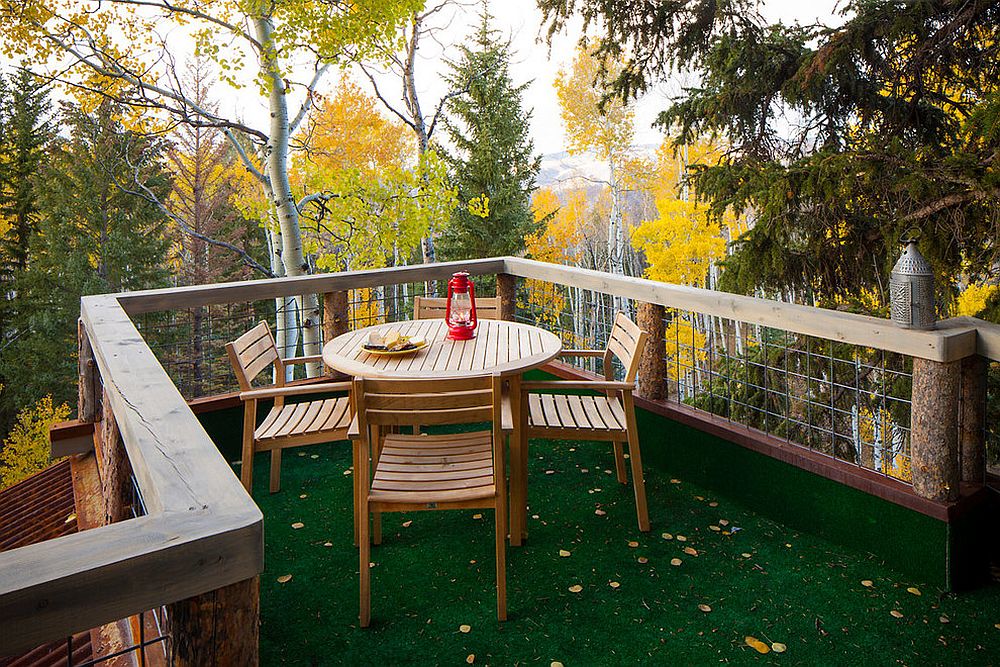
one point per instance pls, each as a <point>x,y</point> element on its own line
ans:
<point>934,443</point>
<point>220,627</point>
<point>653,362</point>
<point>507,292</point>
<point>89,392</point>
<point>335,317</point>
<point>972,434</point>
<point>114,468</point>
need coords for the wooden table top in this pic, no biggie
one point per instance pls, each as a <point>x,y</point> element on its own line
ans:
<point>499,347</point>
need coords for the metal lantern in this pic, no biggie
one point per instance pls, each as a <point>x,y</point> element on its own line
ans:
<point>911,290</point>
<point>460,312</point>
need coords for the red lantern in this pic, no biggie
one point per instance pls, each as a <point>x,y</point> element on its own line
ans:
<point>460,313</point>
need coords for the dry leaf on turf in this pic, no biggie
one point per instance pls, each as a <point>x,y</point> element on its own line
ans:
<point>757,645</point>
<point>723,522</point>
<point>676,561</point>
<point>471,658</point>
<point>690,552</point>
<point>713,504</point>
<point>614,584</point>
<point>328,544</point>
<point>600,512</point>
<point>667,536</point>
<point>633,544</point>
<point>997,626</point>
<point>681,538</point>
<point>745,555</point>
<point>704,607</point>
<point>465,629</point>
<point>914,590</point>
<point>575,588</point>
<point>314,456</point>
<point>867,583</point>
<point>407,524</point>
<point>643,560</point>
<point>699,497</point>
<point>348,471</point>
<point>284,579</point>
<point>714,528</point>
<point>778,647</point>
<point>477,516</point>
<point>895,613</point>
<point>298,524</point>
<point>675,481</point>
<point>556,663</point>
<point>303,496</point>
<point>945,619</point>
<point>564,553</point>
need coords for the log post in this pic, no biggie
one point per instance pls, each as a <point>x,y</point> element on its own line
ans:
<point>653,362</point>
<point>89,391</point>
<point>507,292</point>
<point>114,468</point>
<point>972,433</point>
<point>220,627</point>
<point>934,429</point>
<point>336,320</point>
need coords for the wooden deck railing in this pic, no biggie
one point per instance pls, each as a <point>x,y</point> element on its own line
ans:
<point>203,533</point>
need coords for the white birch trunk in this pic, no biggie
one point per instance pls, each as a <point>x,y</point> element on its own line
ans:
<point>276,156</point>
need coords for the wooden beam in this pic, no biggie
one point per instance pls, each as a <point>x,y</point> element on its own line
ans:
<point>951,340</point>
<point>89,382</point>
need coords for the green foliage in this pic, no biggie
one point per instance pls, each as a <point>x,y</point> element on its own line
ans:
<point>25,450</point>
<point>493,164</point>
<point>842,139</point>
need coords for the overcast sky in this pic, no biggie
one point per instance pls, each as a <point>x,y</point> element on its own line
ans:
<point>534,61</point>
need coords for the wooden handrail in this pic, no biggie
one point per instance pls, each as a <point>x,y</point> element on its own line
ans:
<point>203,531</point>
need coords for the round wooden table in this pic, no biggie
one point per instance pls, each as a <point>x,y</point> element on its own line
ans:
<point>508,348</point>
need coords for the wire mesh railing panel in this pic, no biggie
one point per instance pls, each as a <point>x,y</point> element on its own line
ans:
<point>844,401</point>
<point>992,421</point>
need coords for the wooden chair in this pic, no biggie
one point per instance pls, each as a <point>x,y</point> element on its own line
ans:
<point>286,425</point>
<point>607,416</point>
<point>433,308</point>
<point>428,472</point>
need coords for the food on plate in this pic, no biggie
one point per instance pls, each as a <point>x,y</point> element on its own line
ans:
<point>392,341</point>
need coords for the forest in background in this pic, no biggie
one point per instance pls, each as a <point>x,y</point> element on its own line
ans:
<point>791,170</point>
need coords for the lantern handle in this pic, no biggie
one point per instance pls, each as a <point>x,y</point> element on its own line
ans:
<point>911,235</point>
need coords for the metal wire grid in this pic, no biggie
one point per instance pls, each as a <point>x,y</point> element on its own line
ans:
<point>992,421</point>
<point>844,401</point>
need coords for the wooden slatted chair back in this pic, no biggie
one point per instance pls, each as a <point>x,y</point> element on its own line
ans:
<point>433,308</point>
<point>253,352</point>
<point>625,344</point>
<point>428,402</point>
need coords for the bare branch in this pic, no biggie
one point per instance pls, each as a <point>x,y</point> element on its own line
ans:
<point>310,95</point>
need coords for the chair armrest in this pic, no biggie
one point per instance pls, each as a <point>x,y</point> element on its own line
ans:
<point>596,385</point>
<point>311,359</point>
<point>581,353</point>
<point>354,430</point>
<point>506,413</point>
<point>300,390</point>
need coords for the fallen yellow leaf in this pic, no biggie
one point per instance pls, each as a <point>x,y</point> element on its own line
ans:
<point>575,588</point>
<point>745,555</point>
<point>643,560</point>
<point>704,607</point>
<point>314,456</point>
<point>477,516</point>
<point>699,497</point>
<point>778,647</point>
<point>895,613</point>
<point>690,551</point>
<point>564,553</point>
<point>556,663</point>
<point>328,544</point>
<point>600,512</point>
<point>304,495</point>
<point>614,584</point>
<point>407,524</point>
<point>675,561</point>
<point>667,536</point>
<point>723,522</point>
<point>914,590</point>
<point>465,629</point>
<point>681,538</point>
<point>348,471</point>
<point>944,619</point>
<point>71,518</point>
<point>675,481</point>
<point>714,528</point>
<point>757,644</point>
<point>997,626</point>
<point>867,583</point>
<point>713,504</point>
<point>297,525</point>
<point>633,544</point>
<point>471,658</point>
<point>284,579</point>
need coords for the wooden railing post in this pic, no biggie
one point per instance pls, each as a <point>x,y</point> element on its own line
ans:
<point>653,362</point>
<point>972,434</point>
<point>89,393</point>
<point>220,627</point>
<point>336,320</point>
<point>934,429</point>
<point>114,468</point>
<point>507,291</point>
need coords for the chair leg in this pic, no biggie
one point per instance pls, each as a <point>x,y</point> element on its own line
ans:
<point>516,484</point>
<point>638,481</point>
<point>246,463</point>
<point>356,483</point>
<point>275,470</point>
<point>620,463</point>
<point>364,567</point>
<point>501,548</point>
<point>376,516</point>
<point>524,487</point>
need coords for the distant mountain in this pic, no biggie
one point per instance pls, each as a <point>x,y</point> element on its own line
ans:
<point>562,171</point>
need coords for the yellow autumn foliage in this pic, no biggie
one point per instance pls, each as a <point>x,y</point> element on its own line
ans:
<point>685,345</point>
<point>26,448</point>
<point>557,242</point>
<point>973,299</point>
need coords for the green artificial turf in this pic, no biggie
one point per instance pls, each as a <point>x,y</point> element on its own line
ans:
<point>437,574</point>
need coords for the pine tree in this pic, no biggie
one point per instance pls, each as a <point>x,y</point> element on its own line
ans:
<point>493,164</point>
<point>94,237</point>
